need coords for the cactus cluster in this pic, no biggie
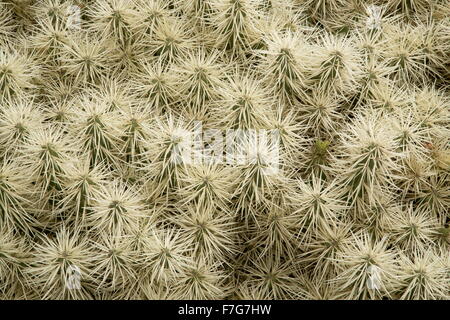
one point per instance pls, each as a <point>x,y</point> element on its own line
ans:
<point>99,100</point>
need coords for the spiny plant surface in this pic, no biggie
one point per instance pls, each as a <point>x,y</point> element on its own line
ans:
<point>97,99</point>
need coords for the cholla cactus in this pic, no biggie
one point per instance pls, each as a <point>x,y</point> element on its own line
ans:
<point>49,40</point>
<point>224,149</point>
<point>149,16</point>
<point>320,112</point>
<point>156,86</point>
<point>277,231</point>
<point>201,10</point>
<point>318,206</point>
<point>7,23</point>
<point>211,234</point>
<point>81,185</point>
<point>367,269</point>
<point>403,51</point>
<point>134,133</point>
<point>201,81</point>
<point>208,187</point>
<point>335,64</point>
<point>18,119</point>
<point>98,128</point>
<point>53,10</point>
<point>260,174</point>
<point>321,9</point>
<point>172,40</point>
<point>13,258</point>
<point>15,214</point>
<point>272,279</point>
<point>164,258</point>
<point>235,24</point>
<point>413,231</point>
<point>114,263</point>
<point>324,249</point>
<point>47,153</point>
<point>85,60</point>
<point>369,159</point>
<point>423,276</point>
<point>116,210</point>
<point>410,9</point>
<point>202,280</point>
<point>388,97</point>
<point>112,19</point>
<point>169,150</point>
<point>246,103</point>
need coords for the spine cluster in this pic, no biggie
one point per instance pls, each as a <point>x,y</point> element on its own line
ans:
<point>98,100</point>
